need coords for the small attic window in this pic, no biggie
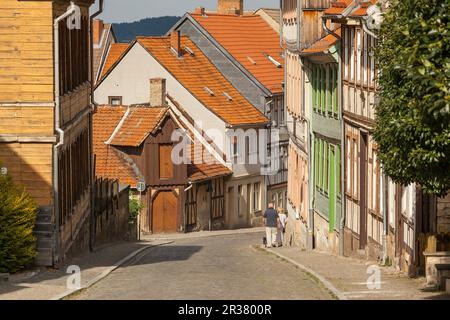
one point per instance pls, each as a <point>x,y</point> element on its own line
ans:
<point>251,60</point>
<point>189,50</point>
<point>211,93</point>
<point>227,96</point>
<point>271,59</point>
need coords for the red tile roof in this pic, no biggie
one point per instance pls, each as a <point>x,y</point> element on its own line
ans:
<point>109,161</point>
<point>197,74</point>
<point>339,6</point>
<point>204,166</point>
<point>249,39</point>
<point>116,50</point>
<point>362,9</point>
<point>112,163</point>
<point>138,124</point>
<point>323,44</point>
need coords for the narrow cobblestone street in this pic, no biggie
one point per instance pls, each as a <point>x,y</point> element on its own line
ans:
<point>221,267</point>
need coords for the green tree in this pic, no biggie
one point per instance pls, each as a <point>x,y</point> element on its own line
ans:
<point>17,220</point>
<point>413,113</point>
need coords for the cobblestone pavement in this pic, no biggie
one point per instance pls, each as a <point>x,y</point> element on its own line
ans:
<point>223,267</point>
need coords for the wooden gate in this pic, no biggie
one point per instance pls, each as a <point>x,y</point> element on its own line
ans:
<point>165,212</point>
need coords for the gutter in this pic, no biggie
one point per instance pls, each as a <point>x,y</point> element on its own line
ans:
<point>57,113</point>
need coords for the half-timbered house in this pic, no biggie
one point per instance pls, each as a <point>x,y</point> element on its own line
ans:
<point>134,144</point>
<point>203,98</point>
<point>248,52</point>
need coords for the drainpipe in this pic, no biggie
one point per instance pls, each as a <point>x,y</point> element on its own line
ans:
<point>91,143</point>
<point>281,24</point>
<point>71,10</point>
<point>299,10</point>
<point>385,193</point>
<point>343,162</point>
<point>343,150</point>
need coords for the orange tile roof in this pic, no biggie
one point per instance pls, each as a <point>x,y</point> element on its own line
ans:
<point>248,39</point>
<point>362,9</point>
<point>204,166</point>
<point>109,162</point>
<point>112,163</point>
<point>323,44</point>
<point>116,50</point>
<point>196,73</point>
<point>137,125</point>
<point>337,7</point>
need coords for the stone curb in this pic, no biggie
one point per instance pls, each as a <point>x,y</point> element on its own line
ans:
<point>324,281</point>
<point>108,271</point>
<point>209,235</point>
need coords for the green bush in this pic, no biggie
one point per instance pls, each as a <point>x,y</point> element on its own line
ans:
<point>17,220</point>
<point>135,207</point>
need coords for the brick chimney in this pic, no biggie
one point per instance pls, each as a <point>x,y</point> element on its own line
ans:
<point>97,31</point>
<point>175,42</point>
<point>200,10</point>
<point>158,92</point>
<point>232,7</point>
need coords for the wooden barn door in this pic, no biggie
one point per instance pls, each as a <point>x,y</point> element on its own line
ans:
<point>165,213</point>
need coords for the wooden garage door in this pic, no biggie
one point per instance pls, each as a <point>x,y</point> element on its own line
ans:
<point>165,213</point>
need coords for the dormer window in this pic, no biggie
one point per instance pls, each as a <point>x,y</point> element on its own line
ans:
<point>115,101</point>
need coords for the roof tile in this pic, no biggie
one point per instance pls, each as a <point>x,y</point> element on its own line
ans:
<point>197,74</point>
<point>248,36</point>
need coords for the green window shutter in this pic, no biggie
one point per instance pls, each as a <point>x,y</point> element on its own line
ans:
<point>324,88</point>
<point>338,170</point>
<point>320,163</point>
<point>332,189</point>
<point>335,91</point>
<point>314,87</point>
<point>330,76</point>
<point>316,161</point>
<point>325,167</point>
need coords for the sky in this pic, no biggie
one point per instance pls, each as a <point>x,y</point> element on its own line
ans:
<point>132,10</point>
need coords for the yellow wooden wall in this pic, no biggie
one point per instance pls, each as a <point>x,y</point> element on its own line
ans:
<point>30,164</point>
<point>26,51</point>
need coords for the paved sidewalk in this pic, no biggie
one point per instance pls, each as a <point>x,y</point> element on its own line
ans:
<point>48,284</point>
<point>349,276</point>
<point>200,234</point>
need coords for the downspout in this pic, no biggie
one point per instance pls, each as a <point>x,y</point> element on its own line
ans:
<point>281,24</point>
<point>91,143</point>
<point>343,149</point>
<point>385,193</point>
<point>57,113</point>
<point>343,162</point>
<point>299,11</point>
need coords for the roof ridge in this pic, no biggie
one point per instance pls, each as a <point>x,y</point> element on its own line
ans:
<point>119,125</point>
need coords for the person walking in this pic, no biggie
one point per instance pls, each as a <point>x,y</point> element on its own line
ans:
<point>270,221</point>
<point>282,220</point>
